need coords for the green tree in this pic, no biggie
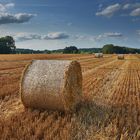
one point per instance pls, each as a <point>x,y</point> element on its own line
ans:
<point>7,45</point>
<point>71,50</point>
<point>110,49</point>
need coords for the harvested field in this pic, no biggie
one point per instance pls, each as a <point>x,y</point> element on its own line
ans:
<point>110,109</point>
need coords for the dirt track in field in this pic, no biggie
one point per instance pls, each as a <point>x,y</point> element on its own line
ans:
<point>110,108</point>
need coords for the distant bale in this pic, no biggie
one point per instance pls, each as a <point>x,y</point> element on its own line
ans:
<point>98,55</point>
<point>121,56</point>
<point>52,84</point>
<point>101,55</point>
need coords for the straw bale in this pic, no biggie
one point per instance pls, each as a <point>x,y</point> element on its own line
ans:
<point>52,84</point>
<point>121,56</point>
<point>98,55</point>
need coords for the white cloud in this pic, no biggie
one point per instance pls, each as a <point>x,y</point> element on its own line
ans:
<point>5,7</point>
<point>134,6</point>
<point>131,6</point>
<point>10,5</point>
<point>127,6</point>
<point>56,35</point>
<point>135,12</point>
<point>6,18</point>
<point>2,8</point>
<point>112,9</point>
<point>107,35</point>
<point>109,11</point>
<point>34,36</point>
<point>81,37</point>
<point>26,36</point>
<point>113,34</point>
<point>98,37</point>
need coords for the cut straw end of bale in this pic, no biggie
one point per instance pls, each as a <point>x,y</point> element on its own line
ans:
<point>52,84</point>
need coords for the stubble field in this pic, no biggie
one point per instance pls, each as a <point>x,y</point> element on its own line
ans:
<point>110,109</point>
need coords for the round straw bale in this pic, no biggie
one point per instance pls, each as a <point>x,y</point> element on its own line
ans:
<point>52,84</point>
<point>101,55</point>
<point>98,55</point>
<point>121,56</point>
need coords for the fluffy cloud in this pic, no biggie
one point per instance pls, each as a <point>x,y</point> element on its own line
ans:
<point>134,6</point>
<point>81,37</point>
<point>26,36</point>
<point>56,35</point>
<point>115,34</point>
<point>49,36</point>
<point>5,7</point>
<point>61,35</point>
<point>135,12</point>
<point>6,18</point>
<point>127,6</point>
<point>107,35</point>
<point>110,10</point>
<point>131,6</point>
<point>9,5</point>
<point>98,37</point>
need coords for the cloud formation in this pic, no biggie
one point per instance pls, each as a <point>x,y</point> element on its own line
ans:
<point>56,35</point>
<point>131,6</point>
<point>135,8</point>
<point>135,12</point>
<point>49,36</point>
<point>99,37</point>
<point>113,34</point>
<point>107,35</point>
<point>5,7</point>
<point>6,18</point>
<point>81,37</point>
<point>109,11</point>
<point>26,36</point>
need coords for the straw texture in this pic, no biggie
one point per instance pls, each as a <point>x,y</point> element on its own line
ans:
<point>52,84</point>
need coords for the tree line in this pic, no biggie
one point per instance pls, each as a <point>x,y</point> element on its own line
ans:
<point>110,49</point>
<point>7,46</point>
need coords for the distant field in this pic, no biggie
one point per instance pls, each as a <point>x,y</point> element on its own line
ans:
<point>110,108</point>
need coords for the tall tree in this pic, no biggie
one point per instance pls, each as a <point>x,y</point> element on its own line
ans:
<point>7,45</point>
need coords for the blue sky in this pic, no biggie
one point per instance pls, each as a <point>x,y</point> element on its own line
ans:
<point>54,24</point>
